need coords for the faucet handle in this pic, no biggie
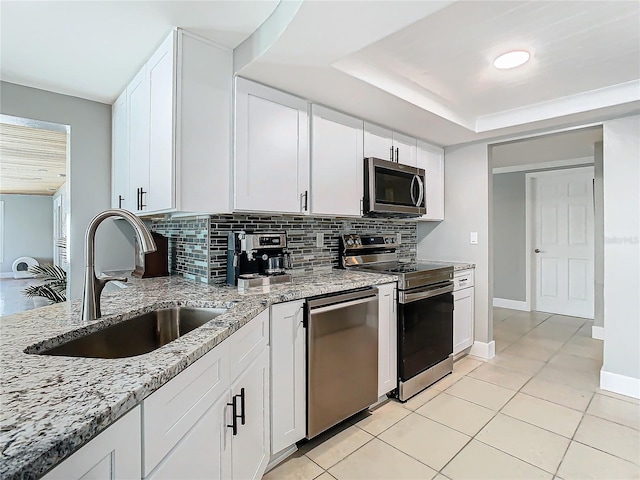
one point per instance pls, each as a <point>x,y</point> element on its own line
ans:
<point>104,279</point>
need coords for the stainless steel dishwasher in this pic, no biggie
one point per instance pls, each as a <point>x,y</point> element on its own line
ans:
<point>342,357</point>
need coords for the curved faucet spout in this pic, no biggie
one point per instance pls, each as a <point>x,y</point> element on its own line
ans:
<point>92,285</point>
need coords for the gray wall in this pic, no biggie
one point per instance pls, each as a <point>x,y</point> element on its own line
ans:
<point>468,208</point>
<point>28,228</point>
<point>598,223</point>
<point>89,172</point>
<point>621,366</point>
<point>509,233</point>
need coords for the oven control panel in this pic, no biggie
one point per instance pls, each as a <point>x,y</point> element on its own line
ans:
<point>354,241</point>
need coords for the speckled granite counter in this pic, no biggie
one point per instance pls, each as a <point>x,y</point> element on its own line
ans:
<point>456,265</point>
<point>52,405</point>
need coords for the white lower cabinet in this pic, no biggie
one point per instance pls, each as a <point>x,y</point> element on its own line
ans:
<point>114,453</point>
<point>463,313</point>
<point>288,375</point>
<point>188,423</point>
<point>387,339</point>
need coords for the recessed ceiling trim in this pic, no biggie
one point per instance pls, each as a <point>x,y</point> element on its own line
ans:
<point>582,102</point>
<point>402,88</point>
<point>544,165</point>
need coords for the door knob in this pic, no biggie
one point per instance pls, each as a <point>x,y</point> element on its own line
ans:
<point>537,250</point>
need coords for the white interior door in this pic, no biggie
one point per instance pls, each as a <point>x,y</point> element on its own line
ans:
<point>563,242</point>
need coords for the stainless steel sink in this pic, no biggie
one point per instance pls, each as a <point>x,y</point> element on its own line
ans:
<point>137,335</point>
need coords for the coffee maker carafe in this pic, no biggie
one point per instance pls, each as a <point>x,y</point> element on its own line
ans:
<point>258,256</point>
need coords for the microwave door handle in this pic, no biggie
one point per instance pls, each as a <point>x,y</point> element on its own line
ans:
<point>421,188</point>
<point>413,181</point>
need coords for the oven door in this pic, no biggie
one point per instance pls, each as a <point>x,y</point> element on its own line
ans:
<point>425,328</point>
<point>393,189</point>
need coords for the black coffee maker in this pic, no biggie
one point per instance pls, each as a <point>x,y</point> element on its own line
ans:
<point>255,255</point>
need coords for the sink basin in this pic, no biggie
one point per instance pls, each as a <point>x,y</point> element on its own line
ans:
<point>137,335</point>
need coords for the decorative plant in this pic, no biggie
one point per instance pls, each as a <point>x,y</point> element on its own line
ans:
<point>54,286</point>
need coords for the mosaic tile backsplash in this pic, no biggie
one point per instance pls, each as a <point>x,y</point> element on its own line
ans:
<point>189,236</point>
<point>188,245</point>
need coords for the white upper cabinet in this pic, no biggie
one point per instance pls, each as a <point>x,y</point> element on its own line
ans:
<point>272,150</point>
<point>138,123</point>
<point>336,163</point>
<point>179,111</point>
<point>378,142</point>
<point>431,159</point>
<point>120,154</point>
<point>405,149</point>
<point>161,80</point>
<point>386,144</point>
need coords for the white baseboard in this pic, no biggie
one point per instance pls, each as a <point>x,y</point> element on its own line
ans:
<point>621,384</point>
<point>512,304</point>
<point>597,333</point>
<point>483,350</point>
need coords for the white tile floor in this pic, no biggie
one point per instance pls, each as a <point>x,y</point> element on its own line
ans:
<point>534,411</point>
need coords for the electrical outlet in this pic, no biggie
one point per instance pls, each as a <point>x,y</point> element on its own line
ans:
<point>473,238</point>
<point>399,238</point>
<point>320,240</point>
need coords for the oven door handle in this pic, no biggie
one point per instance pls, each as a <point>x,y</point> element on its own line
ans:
<point>414,297</point>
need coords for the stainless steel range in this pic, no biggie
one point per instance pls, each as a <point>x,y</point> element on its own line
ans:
<point>425,309</point>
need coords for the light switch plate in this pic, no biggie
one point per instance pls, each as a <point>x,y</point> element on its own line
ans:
<point>399,238</point>
<point>473,238</point>
<point>320,240</point>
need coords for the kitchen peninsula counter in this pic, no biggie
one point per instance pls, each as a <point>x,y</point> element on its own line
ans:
<point>52,405</point>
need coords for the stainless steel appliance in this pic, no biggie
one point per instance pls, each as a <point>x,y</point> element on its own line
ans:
<point>342,357</point>
<point>393,189</point>
<point>425,309</point>
<point>257,259</point>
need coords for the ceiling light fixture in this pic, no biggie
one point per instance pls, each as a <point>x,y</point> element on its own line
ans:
<point>511,59</point>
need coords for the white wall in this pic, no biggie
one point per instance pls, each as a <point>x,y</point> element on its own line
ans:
<point>89,172</point>
<point>621,367</point>
<point>28,229</point>
<point>468,186</point>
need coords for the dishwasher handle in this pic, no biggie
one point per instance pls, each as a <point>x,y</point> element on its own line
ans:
<point>315,303</point>
<point>341,305</point>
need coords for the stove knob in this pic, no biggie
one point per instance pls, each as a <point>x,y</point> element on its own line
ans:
<point>358,241</point>
<point>350,242</point>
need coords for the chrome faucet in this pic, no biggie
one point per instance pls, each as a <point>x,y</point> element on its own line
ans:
<point>93,285</point>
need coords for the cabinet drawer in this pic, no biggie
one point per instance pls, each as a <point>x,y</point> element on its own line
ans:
<point>247,343</point>
<point>462,279</point>
<point>170,412</point>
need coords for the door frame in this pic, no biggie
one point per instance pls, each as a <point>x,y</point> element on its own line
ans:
<point>529,229</point>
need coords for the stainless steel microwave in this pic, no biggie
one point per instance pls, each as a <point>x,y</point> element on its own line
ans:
<point>393,189</point>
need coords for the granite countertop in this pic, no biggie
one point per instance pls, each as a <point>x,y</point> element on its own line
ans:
<point>456,265</point>
<point>52,405</point>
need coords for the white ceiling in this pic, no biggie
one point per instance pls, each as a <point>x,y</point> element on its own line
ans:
<point>420,67</point>
<point>91,49</point>
<point>432,77</point>
<point>572,145</point>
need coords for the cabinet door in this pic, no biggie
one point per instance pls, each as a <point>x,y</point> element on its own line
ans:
<point>250,447</point>
<point>161,173</point>
<point>204,451</point>
<point>138,122</point>
<point>114,453</point>
<point>120,154</point>
<point>336,163</point>
<point>462,319</point>
<point>405,149</point>
<point>288,375</point>
<point>378,142</point>
<point>387,339</point>
<point>272,151</point>
<point>431,159</point>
